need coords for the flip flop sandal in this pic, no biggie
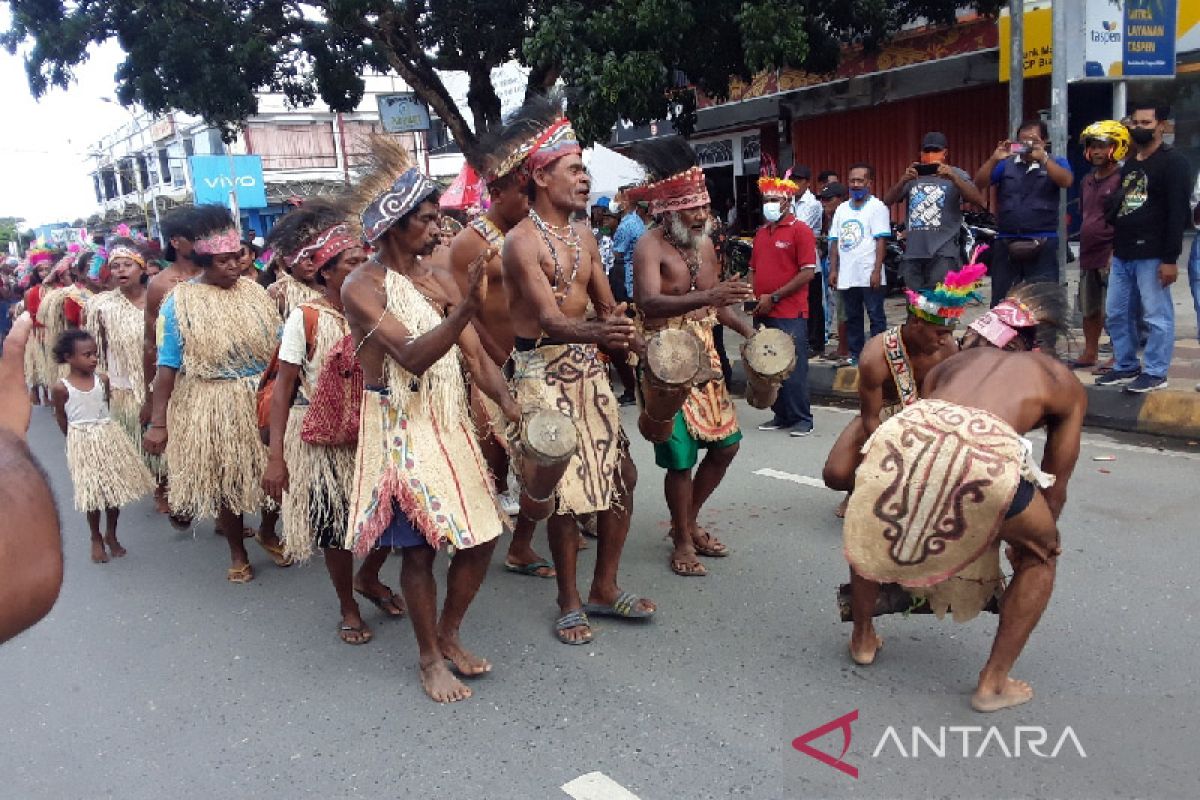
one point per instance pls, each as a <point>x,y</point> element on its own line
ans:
<point>381,603</point>
<point>1075,363</point>
<point>625,606</point>
<point>275,551</point>
<point>531,569</point>
<point>242,574</point>
<point>364,633</point>
<point>179,522</point>
<point>573,619</point>
<point>686,570</point>
<point>714,548</point>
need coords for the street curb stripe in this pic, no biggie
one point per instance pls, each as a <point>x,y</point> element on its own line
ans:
<point>1170,412</point>
<point>597,786</point>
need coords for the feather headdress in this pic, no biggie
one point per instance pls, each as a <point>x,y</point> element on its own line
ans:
<point>1026,308</point>
<point>389,188</point>
<point>771,185</point>
<point>675,180</point>
<point>947,302</point>
<point>535,135</point>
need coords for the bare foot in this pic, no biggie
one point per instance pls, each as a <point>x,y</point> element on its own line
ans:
<point>114,546</point>
<point>840,511</point>
<point>98,554</point>
<point>441,685</point>
<point>465,662</point>
<point>864,649</point>
<point>1013,693</point>
<point>160,501</point>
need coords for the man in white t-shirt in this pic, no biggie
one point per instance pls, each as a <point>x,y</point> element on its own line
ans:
<point>857,241</point>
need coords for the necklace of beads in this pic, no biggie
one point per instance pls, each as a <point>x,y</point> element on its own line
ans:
<point>571,240</point>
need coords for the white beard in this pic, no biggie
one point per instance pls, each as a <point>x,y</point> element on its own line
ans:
<point>684,236</point>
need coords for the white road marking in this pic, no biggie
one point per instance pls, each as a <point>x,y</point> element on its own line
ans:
<point>597,786</point>
<point>803,480</point>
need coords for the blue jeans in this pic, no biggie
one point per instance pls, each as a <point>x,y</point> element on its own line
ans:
<point>1140,276</point>
<point>1194,279</point>
<point>855,299</point>
<point>792,407</point>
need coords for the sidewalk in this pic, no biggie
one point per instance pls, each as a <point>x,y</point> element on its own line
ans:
<point>1174,411</point>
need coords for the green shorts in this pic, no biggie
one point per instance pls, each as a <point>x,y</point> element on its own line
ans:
<point>682,450</point>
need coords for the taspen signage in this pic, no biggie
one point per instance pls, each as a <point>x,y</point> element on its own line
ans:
<point>214,177</point>
<point>1130,39</point>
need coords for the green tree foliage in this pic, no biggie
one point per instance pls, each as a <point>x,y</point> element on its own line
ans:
<point>622,58</point>
<point>9,232</point>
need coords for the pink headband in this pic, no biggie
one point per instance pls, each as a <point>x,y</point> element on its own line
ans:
<point>1000,325</point>
<point>226,241</point>
<point>327,244</point>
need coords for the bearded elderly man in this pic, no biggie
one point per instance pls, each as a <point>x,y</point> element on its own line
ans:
<point>676,285</point>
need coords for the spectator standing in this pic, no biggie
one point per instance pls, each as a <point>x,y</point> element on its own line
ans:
<point>628,232</point>
<point>808,210</point>
<point>1151,210</point>
<point>1105,146</point>
<point>933,192</point>
<point>832,196</point>
<point>1194,259</point>
<point>858,240</point>
<point>784,262</point>
<point>826,177</point>
<point>1027,181</point>
<point>731,216</point>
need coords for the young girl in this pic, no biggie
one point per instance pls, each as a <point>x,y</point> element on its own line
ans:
<point>105,467</point>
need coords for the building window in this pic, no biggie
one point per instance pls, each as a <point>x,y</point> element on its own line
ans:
<point>751,148</point>
<point>713,153</point>
<point>164,166</point>
<point>295,147</point>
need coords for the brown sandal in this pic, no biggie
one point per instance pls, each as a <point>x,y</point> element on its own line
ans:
<point>686,570</point>
<point>275,551</point>
<point>242,574</point>
<point>712,548</point>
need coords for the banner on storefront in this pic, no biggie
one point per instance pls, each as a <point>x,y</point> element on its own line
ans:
<point>213,177</point>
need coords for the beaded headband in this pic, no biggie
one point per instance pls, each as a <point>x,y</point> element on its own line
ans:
<point>327,245</point>
<point>226,241</point>
<point>122,251</point>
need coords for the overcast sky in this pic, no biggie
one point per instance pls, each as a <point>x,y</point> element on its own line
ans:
<point>43,167</point>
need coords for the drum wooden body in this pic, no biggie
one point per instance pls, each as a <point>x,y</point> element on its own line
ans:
<point>671,368</point>
<point>547,441</point>
<point>769,357</point>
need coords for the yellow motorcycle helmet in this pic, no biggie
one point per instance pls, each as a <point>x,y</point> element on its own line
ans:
<point>1108,130</point>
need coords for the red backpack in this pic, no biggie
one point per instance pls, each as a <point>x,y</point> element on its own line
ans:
<point>335,405</point>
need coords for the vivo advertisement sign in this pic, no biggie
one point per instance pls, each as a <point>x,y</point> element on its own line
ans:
<point>214,176</point>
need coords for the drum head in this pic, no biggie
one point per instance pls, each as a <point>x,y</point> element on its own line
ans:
<point>769,352</point>
<point>550,434</point>
<point>673,356</point>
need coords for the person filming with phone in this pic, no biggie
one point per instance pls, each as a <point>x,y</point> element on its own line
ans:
<point>1027,180</point>
<point>933,192</point>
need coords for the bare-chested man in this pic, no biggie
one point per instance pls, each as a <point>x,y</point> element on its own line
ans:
<point>894,363</point>
<point>958,479</point>
<point>420,480</point>
<point>509,205</point>
<point>552,270</point>
<point>676,284</point>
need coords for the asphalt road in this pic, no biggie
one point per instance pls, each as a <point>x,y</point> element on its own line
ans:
<point>153,677</point>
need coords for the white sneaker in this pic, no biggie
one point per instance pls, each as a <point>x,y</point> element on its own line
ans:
<point>510,503</point>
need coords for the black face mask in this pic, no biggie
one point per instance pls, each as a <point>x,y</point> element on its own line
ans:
<point>1142,136</point>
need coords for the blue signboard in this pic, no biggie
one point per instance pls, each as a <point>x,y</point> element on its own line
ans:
<point>1150,38</point>
<point>214,176</point>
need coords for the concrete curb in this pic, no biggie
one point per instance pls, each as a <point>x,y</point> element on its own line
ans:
<point>1171,412</point>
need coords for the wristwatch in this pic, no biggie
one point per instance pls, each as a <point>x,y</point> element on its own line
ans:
<point>775,298</point>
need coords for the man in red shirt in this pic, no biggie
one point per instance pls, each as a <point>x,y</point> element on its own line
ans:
<point>783,263</point>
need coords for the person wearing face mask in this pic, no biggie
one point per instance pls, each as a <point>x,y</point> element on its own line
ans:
<point>1027,180</point>
<point>933,192</point>
<point>1149,213</point>
<point>783,263</point>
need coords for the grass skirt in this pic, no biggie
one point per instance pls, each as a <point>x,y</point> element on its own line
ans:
<point>126,410</point>
<point>214,454</point>
<point>105,468</point>
<point>315,504</point>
